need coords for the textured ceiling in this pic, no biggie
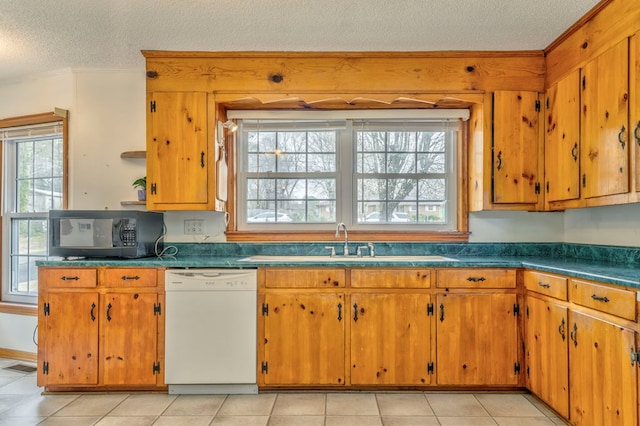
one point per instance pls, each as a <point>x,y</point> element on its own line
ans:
<point>43,35</point>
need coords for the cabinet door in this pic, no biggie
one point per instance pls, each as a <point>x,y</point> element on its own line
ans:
<point>129,349</point>
<point>562,140</point>
<point>477,338</point>
<point>71,352</point>
<point>605,127</point>
<point>516,147</point>
<point>602,376</point>
<point>634,93</point>
<point>390,339</point>
<point>547,351</point>
<point>304,339</point>
<point>178,169</point>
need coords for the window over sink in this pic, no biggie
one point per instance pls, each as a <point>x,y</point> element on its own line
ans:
<point>395,170</point>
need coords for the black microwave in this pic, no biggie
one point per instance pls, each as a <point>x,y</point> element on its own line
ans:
<point>105,233</point>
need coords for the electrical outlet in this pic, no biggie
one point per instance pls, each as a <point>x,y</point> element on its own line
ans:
<point>194,226</point>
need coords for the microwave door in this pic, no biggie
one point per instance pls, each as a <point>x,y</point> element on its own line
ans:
<point>86,233</point>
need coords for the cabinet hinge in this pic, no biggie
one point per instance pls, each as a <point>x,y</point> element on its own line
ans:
<point>516,368</point>
<point>635,357</point>
<point>152,106</point>
<point>264,367</point>
<point>430,368</point>
<point>157,309</point>
<point>45,367</point>
<point>265,309</point>
<point>547,187</point>
<point>429,309</point>
<point>538,106</point>
<point>584,82</point>
<point>516,309</point>
<point>526,311</point>
<point>156,368</point>
<point>46,309</point>
<point>528,372</point>
<point>547,103</point>
<point>584,180</point>
<point>153,188</point>
<point>537,187</point>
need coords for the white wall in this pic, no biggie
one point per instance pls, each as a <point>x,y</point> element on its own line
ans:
<point>610,225</point>
<point>107,116</point>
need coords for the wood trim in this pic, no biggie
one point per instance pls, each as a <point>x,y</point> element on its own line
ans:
<point>21,355</point>
<point>577,25</point>
<point>18,309</point>
<point>26,120</point>
<point>386,236</point>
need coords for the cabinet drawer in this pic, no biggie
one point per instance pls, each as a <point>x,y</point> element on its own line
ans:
<point>476,278</point>
<point>129,277</point>
<point>547,284</point>
<point>391,278</point>
<point>68,277</point>
<point>303,277</point>
<point>615,301</point>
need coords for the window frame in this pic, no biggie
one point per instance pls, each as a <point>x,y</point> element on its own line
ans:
<point>388,233</point>
<point>20,303</point>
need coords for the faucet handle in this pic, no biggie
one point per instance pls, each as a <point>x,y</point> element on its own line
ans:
<point>333,250</point>
<point>359,250</point>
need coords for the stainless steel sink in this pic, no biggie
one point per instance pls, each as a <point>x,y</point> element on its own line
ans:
<point>326,258</point>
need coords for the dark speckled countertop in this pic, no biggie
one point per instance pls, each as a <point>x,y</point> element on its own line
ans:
<point>609,264</point>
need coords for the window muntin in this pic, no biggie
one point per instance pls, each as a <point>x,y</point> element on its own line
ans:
<point>303,175</point>
<point>34,180</point>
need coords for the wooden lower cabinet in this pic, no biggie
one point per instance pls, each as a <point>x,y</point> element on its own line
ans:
<point>92,336</point>
<point>71,346</point>
<point>547,352</point>
<point>390,339</point>
<point>603,378</point>
<point>477,339</point>
<point>304,336</point>
<point>130,324</point>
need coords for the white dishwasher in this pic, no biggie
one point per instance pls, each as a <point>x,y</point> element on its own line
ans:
<point>210,343</point>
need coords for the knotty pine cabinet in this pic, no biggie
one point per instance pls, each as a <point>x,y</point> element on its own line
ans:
<point>302,326</point>
<point>180,151</point>
<point>506,152</point>
<point>390,327</point>
<point>605,123</point>
<point>581,352</point>
<point>359,327</point>
<point>546,329</point>
<point>100,328</point>
<point>477,327</point>
<point>562,140</point>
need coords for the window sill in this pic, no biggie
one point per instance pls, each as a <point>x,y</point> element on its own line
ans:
<point>386,236</point>
<point>18,309</point>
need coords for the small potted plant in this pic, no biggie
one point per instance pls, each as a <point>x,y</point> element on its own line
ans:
<point>141,183</point>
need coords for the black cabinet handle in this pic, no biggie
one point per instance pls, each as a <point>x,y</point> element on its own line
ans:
<point>126,278</point>
<point>355,312</point>
<point>202,159</point>
<point>544,285</point>
<point>499,166</point>
<point>339,311</point>
<point>70,278</point>
<point>476,279</point>
<point>636,133</point>
<point>561,329</point>
<point>441,312</point>
<point>621,137</point>
<point>109,312</point>
<point>574,152</point>
<point>574,334</point>
<point>93,312</point>
<point>600,298</point>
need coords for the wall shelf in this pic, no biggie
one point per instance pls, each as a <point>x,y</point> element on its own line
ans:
<point>133,203</point>
<point>133,154</point>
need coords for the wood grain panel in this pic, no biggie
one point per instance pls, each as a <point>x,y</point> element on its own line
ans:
<point>303,277</point>
<point>391,278</point>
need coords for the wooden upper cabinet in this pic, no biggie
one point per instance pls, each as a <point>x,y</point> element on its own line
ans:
<point>562,139</point>
<point>605,126</point>
<point>634,90</point>
<point>517,154</point>
<point>178,156</point>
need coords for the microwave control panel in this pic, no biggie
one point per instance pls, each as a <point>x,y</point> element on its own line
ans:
<point>128,233</point>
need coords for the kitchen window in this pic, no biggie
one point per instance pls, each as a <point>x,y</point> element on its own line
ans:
<point>307,171</point>
<point>33,183</point>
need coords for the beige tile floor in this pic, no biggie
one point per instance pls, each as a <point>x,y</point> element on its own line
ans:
<point>21,403</point>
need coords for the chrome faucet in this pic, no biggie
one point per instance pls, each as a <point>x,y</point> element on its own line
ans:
<point>346,237</point>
